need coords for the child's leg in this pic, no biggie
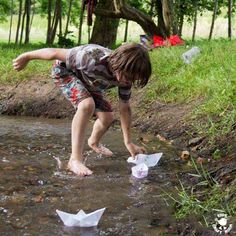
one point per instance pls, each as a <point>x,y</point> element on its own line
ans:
<point>105,118</point>
<point>79,124</point>
<point>75,91</point>
<point>101,125</point>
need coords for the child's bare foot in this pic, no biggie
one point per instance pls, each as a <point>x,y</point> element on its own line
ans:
<point>78,167</point>
<point>100,149</point>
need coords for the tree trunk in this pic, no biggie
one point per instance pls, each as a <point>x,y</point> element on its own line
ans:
<point>49,21</point>
<point>81,22</point>
<point>18,22</point>
<point>60,19</point>
<point>213,18</point>
<point>174,19</point>
<point>68,18</point>
<point>23,24</point>
<point>27,25</point>
<point>167,16</point>
<point>125,11</point>
<point>160,19</point>
<point>195,20</point>
<point>56,20</point>
<point>32,17</point>
<point>229,19</point>
<point>180,19</point>
<point>9,40</point>
<point>106,25</point>
<point>126,30</point>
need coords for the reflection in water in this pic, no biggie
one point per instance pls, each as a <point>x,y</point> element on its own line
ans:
<point>32,187</point>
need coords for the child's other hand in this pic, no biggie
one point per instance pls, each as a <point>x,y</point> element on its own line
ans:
<point>20,62</point>
<point>134,149</point>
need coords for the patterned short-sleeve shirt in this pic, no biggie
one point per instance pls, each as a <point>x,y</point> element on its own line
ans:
<point>90,63</point>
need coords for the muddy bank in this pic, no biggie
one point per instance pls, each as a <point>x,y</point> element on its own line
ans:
<point>39,97</point>
<point>172,122</point>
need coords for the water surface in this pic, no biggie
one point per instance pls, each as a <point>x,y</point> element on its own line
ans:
<point>32,187</point>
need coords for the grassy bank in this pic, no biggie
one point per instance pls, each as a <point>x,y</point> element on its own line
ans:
<point>210,78</point>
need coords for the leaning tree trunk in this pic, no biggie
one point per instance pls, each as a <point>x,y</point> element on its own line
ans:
<point>195,20</point>
<point>213,18</point>
<point>229,19</point>
<point>18,22</point>
<point>123,10</point>
<point>106,25</point>
<point>9,40</point>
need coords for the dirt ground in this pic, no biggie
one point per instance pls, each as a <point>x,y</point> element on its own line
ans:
<point>170,122</point>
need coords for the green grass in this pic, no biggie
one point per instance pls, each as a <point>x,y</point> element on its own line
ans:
<point>211,78</point>
<point>34,68</point>
<point>204,199</point>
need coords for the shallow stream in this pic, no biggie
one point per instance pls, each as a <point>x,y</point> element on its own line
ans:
<point>32,187</point>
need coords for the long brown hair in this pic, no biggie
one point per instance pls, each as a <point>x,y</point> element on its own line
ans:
<point>131,62</point>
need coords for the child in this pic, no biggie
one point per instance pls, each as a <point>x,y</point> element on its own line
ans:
<point>83,73</point>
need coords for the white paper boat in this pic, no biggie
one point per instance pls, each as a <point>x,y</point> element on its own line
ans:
<point>150,160</point>
<point>81,219</point>
<point>140,171</point>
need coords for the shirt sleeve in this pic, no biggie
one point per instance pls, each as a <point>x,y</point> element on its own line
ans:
<point>124,92</point>
<point>71,58</point>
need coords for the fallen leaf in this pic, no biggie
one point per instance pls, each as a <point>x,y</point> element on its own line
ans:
<point>38,199</point>
<point>200,160</point>
<point>185,155</point>
<point>161,138</point>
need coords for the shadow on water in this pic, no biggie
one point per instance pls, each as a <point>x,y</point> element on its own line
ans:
<point>32,188</point>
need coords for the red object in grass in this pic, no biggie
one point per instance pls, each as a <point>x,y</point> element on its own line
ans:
<point>158,41</point>
<point>173,40</point>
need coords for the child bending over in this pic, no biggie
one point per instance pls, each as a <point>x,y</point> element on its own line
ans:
<point>83,73</point>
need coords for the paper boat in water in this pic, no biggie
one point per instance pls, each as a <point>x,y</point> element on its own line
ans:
<point>81,219</point>
<point>140,171</point>
<point>149,160</point>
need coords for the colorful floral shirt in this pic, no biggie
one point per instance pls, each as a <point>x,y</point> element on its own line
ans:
<point>89,63</point>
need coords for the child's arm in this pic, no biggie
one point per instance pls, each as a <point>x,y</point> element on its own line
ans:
<point>125,114</point>
<point>42,54</point>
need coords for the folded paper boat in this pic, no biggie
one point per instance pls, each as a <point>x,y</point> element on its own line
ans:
<point>140,171</point>
<point>150,160</point>
<point>81,219</point>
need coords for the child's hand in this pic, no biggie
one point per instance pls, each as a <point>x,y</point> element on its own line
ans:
<point>20,62</point>
<point>134,149</point>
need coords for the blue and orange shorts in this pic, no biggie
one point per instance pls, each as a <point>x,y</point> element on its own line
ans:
<point>75,90</point>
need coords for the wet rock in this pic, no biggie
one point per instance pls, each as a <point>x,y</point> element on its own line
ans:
<point>3,210</point>
<point>20,223</point>
<point>195,141</point>
<point>155,222</point>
